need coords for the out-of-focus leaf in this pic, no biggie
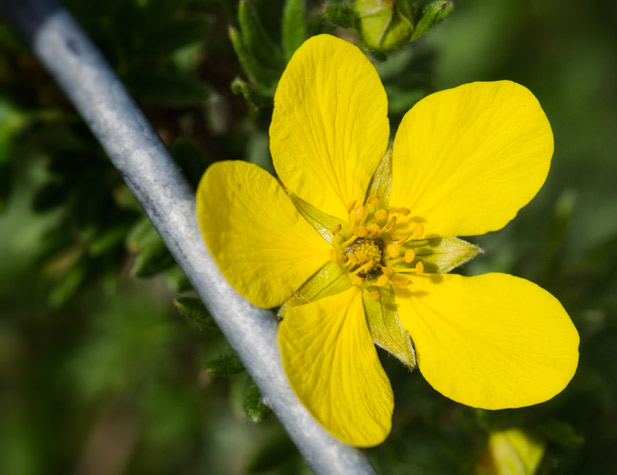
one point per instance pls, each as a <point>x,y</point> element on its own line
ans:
<point>225,365</point>
<point>167,88</point>
<point>193,308</point>
<point>191,157</point>
<point>142,235</point>
<point>257,40</point>
<point>253,403</point>
<point>154,258</point>
<point>273,453</point>
<point>257,97</point>
<point>170,36</point>
<point>49,196</point>
<point>294,27</point>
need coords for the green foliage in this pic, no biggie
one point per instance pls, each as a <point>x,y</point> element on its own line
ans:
<point>194,309</point>
<point>94,361</point>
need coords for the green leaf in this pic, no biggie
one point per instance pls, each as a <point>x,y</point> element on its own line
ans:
<point>249,63</point>
<point>193,308</point>
<point>49,196</point>
<point>108,239</point>
<point>142,235</point>
<point>256,96</point>
<point>254,406</point>
<point>170,36</point>
<point>339,14</point>
<point>225,365</point>
<point>294,28</point>
<point>432,14</point>
<point>331,279</point>
<point>441,255</point>
<point>321,221</point>
<point>167,88</point>
<point>386,328</point>
<point>257,39</point>
<point>154,258</point>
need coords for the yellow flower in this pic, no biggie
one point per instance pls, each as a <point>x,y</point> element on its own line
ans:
<point>345,244</point>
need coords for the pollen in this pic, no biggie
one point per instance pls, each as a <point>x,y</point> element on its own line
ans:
<point>373,250</point>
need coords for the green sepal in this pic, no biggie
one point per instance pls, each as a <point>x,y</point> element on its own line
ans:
<point>257,39</point>
<point>253,404</point>
<point>381,182</point>
<point>384,25</point>
<point>382,179</point>
<point>330,280</point>
<point>432,14</point>
<point>441,255</point>
<point>225,365</point>
<point>194,309</point>
<point>294,28</point>
<point>386,328</point>
<point>339,14</point>
<point>322,222</point>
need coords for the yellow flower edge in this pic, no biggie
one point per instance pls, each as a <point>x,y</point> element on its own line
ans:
<point>464,161</point>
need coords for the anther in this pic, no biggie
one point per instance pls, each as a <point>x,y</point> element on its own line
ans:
<point>402,282</point>
<point>373,200</point>
<point>393,250</point>
<point>336,229</point>
<point>391,223</point>
<point>403,211</point>
<point>381,215</point>
<point>361,231</point>
<point>357,214</point>
<point>410,255</point>
<point>418,231</point>
<point>373,230</point>
<point>351,206</point>
<point>419,268</point>
<point>382,280</point>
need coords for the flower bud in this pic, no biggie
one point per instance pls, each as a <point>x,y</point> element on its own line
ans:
<point>384,25</point>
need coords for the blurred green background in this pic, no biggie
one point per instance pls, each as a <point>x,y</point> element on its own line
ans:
<point>100,373</point>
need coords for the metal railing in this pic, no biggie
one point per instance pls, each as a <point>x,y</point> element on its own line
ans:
<point>138,154</point>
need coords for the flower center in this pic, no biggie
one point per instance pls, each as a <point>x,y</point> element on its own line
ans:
<point>372,252</point>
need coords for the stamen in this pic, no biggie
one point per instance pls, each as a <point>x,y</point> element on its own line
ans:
<point>393,250</point>
<point>403,211</point>
<point>401,282</point>
<point>333,255</point>
<point>361,231</point>
<point>351,206</point>
<point>373,200</point>
<point>374,295</point>
<point>418,231</point>
<point>410,255</point>
<point>373,230</point>
<point>419,268</point>
<point>336,229</point>
<point>381,215</point>
<point>357,281</point>
<point>391,223</point>
<point>382,280</point>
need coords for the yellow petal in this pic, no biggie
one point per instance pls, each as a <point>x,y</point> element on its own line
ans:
<point>465,160</point>
<point>329,127</point>
<point>332,365</point>
<point>259,241</point>
<point>494,341</point>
